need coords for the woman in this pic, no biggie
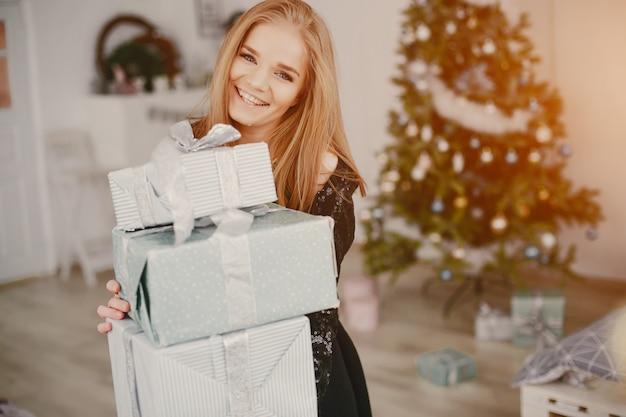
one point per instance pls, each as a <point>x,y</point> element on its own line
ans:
<point>274,80</point>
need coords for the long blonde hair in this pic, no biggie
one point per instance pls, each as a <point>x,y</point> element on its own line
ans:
<point>307,130</point>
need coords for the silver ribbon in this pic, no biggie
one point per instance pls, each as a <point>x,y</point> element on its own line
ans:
<point>229,177</point>
<point>166,159</point>
<point>231,233</point>
<point>142,196</point>
<point>127,337</point>
<point>240,390</point>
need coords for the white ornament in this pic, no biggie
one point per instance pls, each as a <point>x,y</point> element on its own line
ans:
<point>543,134</point>
<point>427,133</point>
<point>450,28</point>
<point>534,156</point>
<point>422,32</point>
<point>412,129</point>
<point>392,176</point>
<point>382,158</point>
<point>387,187</point>
<point>418,173</point>
<point>424,161</point>
<point>418,67</point>
<point>486,155</point>
<point>548,240</point>
<point>489,47</point>
<point>458,161</point>
<point>443,145</point>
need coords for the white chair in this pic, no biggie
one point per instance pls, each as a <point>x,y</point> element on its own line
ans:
<point>74,176</point>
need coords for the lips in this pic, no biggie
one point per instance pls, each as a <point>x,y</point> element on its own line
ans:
<point>250,99</point>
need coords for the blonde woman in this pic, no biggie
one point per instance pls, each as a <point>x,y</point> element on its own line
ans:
<point>275,81</point>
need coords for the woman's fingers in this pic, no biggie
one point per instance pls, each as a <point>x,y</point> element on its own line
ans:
<point>113,286</point>
<point>104,327</point>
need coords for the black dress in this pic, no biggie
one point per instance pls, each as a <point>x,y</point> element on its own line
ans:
<point>341,387</point>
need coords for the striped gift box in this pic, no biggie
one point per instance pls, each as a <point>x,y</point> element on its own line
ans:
<point>245,180</point>
<point>262,371</point>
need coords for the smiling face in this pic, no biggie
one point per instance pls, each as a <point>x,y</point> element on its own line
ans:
<point>266,78</point>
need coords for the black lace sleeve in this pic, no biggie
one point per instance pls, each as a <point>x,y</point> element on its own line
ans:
<point>334,200</point>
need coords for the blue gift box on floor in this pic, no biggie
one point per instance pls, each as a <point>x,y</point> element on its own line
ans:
<point>446,367</point>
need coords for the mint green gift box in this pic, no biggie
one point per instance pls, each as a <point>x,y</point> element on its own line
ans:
<point>538,316</point>
<point>446,367</point>
<point>283,267</point>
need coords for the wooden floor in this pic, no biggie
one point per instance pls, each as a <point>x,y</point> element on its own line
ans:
<point>55,364</point>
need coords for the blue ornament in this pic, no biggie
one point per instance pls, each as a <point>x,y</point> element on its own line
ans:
<point>566,150</point>
<point>437,205</point>
<point>592,234</point>
<point>531,252</point>
<point>445,275</point>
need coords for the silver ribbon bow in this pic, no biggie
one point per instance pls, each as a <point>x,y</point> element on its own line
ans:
<point>166,159</point>
<point>537,325</point>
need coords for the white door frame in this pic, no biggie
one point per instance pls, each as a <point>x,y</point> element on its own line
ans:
<point>26,244</point>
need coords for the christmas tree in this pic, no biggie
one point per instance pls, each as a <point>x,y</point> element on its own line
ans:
<point>472,182</point>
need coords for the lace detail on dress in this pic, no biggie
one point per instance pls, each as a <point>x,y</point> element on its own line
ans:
<point>334,200</point>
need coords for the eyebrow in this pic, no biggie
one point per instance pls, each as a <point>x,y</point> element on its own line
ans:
<point>280,64</point>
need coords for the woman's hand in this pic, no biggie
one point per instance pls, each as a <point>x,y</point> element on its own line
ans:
<point>115,309</point>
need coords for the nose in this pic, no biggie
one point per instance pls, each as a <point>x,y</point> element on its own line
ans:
<point>258,78</point>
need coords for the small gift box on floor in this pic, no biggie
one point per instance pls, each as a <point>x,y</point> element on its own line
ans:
<point>538,317</point>
<point>193,178</point>
<point>602,399</point>
<point>446,367</point>
<point>492,324</point>
<point>265,370</point>
<point>359,302</point>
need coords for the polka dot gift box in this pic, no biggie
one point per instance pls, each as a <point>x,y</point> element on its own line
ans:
<point>283,267</point>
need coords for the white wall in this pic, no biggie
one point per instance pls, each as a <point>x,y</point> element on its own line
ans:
<point>579,42</point>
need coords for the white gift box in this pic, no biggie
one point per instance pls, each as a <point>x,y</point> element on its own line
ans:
<point>261,371</point>
<point>603,399</point>
<point>215,179</point>
<point>492,324</point>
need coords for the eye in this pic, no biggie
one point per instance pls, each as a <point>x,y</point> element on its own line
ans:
<point>247,57</point>
<point>285,76</point>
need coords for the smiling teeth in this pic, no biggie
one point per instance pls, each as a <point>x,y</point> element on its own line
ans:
<point>251,99</point>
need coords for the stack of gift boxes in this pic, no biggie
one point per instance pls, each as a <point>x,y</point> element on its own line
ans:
<point>217,325</point>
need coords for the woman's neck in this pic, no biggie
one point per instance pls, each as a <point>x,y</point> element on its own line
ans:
<point>252,134</point>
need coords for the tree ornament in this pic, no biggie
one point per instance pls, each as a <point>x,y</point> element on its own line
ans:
<point>458,252</point>
<point>472,22</point>
<point>422,32</point>
<point>407,36</point>
<point>592,234</point>
<point>418,173</point>
<point>458,161</point>
<point>566,150</point>
<point>365,215</point>
<point>486,155</point>
<point>534,156</point>
<point>548,240</point>
<point>445,274</point>
<point>474,142</point>
<point>543,134</point>
<point>437,205</point>
<point>424,160</point>
<point>427,133</point>
<point>418,67</point>
<point>531,252</point>
<point>543,194</point>
<point>499,223</point>
<point>460,202</point>
<point>411,129</point>
<point>443,145</point>
<point>533,105</point>
<point>489,47</point>
<point>477,213</point>
<point>450,28</point>
<point>511,156</point>
<point>434,237</point>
